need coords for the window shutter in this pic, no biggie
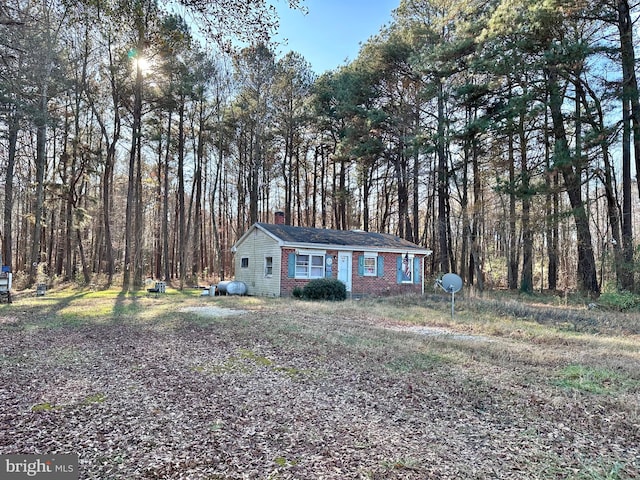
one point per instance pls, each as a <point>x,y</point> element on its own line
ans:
<point>416,270</point>
<point>328,270</point>
<point>360,265</point>
<point>380,265</point>
<point>399,269</point>
<point>291,272</point>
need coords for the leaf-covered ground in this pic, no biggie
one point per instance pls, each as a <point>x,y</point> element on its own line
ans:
<point>295,390</point>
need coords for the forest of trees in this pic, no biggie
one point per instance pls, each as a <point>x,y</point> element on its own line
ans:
<point>142,138</point>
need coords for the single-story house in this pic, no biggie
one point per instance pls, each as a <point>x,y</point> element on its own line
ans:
<point>273,259</point>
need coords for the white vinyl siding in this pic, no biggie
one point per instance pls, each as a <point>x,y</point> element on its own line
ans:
<point>257,247</point>
<point>268,266</point>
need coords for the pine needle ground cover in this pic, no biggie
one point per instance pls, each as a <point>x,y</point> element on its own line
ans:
<point>183,387</point>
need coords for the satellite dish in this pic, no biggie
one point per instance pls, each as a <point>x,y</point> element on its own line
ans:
<point>451,283</point>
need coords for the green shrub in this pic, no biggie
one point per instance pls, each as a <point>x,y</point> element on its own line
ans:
<point>297,292</point>
<point>325,289</point>
<point>621,301</point>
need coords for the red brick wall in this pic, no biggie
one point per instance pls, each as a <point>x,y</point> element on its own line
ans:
<point>385,285</point>
<point>361,286</point>
<point>288,284</point>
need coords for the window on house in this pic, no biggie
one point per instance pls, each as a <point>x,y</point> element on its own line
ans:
<point>406,272</point>
<point>309,266</point>
<point>244,262</point>
<point>317,266</point>
<point>268,266</point>
<point>370,265</point>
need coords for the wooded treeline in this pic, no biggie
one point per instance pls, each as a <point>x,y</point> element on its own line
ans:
<point>502,135</point>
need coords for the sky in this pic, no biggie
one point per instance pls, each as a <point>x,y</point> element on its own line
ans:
<point>333,30</point>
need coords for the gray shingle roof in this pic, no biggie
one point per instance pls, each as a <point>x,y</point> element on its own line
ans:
<point>322,236</point>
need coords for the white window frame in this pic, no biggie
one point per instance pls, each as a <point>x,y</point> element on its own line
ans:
<point>410,268</point>
<point>244,262</point>
<point>268,266</point>
<point>370,264</point>
<point>310,264</point>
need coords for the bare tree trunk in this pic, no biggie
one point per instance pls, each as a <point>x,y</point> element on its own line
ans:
<point>165,204</point>
<point>343,193</point>
<point>255,161</point>
<point>86,273</point>
<point>466,269</point>
<point>551,228</point>
<point>476,247</point>
<point>551,210</point>
<point>182,240</point>
<point>107,175</point>
<point>526,282</point>
<point>313,214</point>
<point>443,188</point>
<point>157,216</point>
<point>7,245</point>
<point>512,274</point>
<point>138,263</point>
<point>416,182</point>
<point>197,221</point>
<point>401,172</point>
<point>587,280</point>
<point>631,115</point>
<point>106,210</point>
<point>41,154</point>
<point>287,177</point>
<point>132,194</point>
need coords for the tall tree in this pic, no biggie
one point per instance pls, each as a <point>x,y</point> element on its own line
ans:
<point>546,37</point>
<point>630,122</point>
<point>292,85</point>
<point>45,58</point>
<point>445,42</point>
<point>395,120</point>
<point>255,72</point>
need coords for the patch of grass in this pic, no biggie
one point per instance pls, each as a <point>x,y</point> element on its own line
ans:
<point>283,462</point>
<point>416,362</point>
<point>10,359</point>
<point>402,464</point>
<point>72,308</point>
<point>127,308</point>
<point>353,340</point>
<point>44,407</point>
<point>291,371</point>
<point>268,363</point>
<point>231,365</point>
<point>602,471</point>
<point>93,399</point>
<point>592,380</point>
<point>620,301</point>
<point>409,309</point>
<point>66,355</point>
<point>216,425</point>
<point>254,357</point>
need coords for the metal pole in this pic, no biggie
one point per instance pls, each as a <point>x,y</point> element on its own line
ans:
<point>453,302</point>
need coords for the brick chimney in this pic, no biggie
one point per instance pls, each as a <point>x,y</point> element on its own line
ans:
<point>279,218</point>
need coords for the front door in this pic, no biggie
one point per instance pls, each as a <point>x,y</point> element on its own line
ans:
<point>345,268</point>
